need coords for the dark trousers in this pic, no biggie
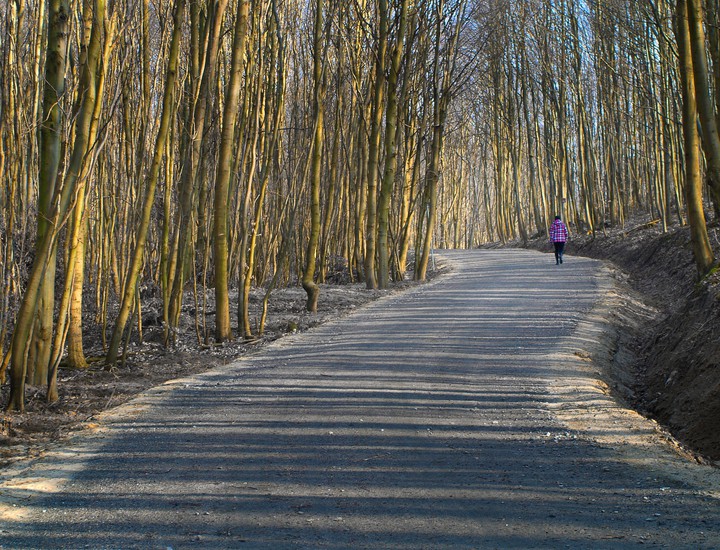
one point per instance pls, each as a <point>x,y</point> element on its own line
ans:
<point>559,249</point>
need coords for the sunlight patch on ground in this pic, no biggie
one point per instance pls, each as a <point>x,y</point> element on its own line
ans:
<point>25,483</point>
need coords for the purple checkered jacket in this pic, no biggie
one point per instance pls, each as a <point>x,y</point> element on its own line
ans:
<point>558,232</point>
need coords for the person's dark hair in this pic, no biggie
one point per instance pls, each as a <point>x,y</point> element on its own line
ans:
<point>557,217</point>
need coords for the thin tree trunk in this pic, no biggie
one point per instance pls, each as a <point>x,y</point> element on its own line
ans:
<point>275,103</point>
<point>199,123</point>
<point>702,251</point>
<point>224,174</point>
<point>142,231</point>
<point>705,103</point>
<point>42,273</point>
<point>441,101</point>
<point>391,126</point>
<point>308,280</point>
<point>76,269</point>
<point>374,148</point>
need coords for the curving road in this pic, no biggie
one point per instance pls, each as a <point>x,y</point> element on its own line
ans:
<point>443,417</point>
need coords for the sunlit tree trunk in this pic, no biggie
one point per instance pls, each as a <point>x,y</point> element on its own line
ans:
<point>702,251</point>
<point>413,144</point>
<point>705,103</point>
<point>151,184</point>
<point>441,100</point>
<point>333,177</point>
<point>374,147</point>
<point>391,128</point>
<point>39,293</point>
<point>274,107</point>
<point>308,281</point>
<point>77,240</point>
<point>198,125</point>
<point>224,174</point>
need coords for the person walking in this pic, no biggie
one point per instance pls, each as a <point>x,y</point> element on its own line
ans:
<point>558,236</point>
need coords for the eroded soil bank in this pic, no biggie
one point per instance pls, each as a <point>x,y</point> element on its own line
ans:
<point>667,360</point>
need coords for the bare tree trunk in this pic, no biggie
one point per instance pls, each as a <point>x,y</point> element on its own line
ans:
<point>199,122</point>
<point>308,280</point>
<point>391,127</point>
<point>702,251</point>
<point>327,218</point>
<point>142,231</point>
<point>75,271</point>
<point>224,174</point>
<point>441,100</point>
<point>42,281</point>
<point>705,103</point>
<point>374,148</point>
<point>275,103</point>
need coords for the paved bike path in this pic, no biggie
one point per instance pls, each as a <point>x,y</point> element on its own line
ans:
<point>435,418</point>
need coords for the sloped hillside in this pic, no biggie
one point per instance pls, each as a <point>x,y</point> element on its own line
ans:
<point>672,357</point>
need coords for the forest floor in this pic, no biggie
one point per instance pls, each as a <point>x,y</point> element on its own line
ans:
<point>88,392</point>
<point>665,363</point>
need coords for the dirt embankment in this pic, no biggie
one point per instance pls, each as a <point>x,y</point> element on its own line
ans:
<point>668,357</point>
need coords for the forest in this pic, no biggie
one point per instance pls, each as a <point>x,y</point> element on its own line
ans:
<point>192,149</point>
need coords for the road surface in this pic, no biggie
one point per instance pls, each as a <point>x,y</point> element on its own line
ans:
<point>462,414</point>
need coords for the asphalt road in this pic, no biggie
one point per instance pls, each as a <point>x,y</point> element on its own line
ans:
<point>436,418</point>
